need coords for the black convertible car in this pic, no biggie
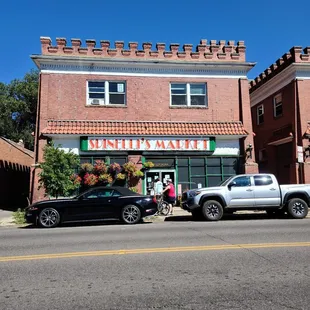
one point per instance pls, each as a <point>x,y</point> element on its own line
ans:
<point>96,204</point>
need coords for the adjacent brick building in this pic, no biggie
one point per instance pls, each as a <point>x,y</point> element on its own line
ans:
<point>280,99</point>
<point>15,165</point>
<point>187,111</point>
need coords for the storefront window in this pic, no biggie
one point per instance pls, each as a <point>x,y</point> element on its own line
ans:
<point>196,172</point>
<point>107,159</point>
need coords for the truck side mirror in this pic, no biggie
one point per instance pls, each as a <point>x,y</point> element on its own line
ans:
<point>231,184</point>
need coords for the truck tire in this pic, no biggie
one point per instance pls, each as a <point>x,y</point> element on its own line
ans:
<point>212,210</point>
<point>297,208</point>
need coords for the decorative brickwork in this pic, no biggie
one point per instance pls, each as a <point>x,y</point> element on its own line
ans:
<point>215,51</point>
<point>296,55</point>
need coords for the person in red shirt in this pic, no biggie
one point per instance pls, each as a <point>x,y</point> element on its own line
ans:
<point>170,195</point>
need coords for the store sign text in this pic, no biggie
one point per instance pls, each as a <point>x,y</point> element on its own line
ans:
<point>141,144</point>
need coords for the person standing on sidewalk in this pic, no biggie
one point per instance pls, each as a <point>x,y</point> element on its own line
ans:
<point>170,195</point>
<point>158,188</point>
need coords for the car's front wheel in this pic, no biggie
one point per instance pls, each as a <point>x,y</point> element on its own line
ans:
<point>212,210</point>
<point>297,208</point>
<point>131,214</point>
<point>48,218</point>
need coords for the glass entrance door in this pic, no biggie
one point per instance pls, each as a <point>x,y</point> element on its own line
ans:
<point>163,175</point>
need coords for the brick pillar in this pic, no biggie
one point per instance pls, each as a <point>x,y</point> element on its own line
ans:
<point>302,98</point>
<point>250,165</point>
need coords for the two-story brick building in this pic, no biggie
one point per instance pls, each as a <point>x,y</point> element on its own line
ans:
<point>186,111</point>
<point>280,98</point>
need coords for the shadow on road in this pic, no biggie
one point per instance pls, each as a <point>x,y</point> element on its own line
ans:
<point>84,224</point>
<point>227,217</point>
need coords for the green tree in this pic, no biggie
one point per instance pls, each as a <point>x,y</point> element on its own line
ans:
<point>18,106</point>
<point>57,171</point>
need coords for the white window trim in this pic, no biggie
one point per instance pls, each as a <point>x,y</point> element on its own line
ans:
<point>106,94</point>
<point>188,95</point>
<point>276,104</point>
<point>258,115</point>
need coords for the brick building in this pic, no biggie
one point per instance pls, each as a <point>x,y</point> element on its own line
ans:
<point>280,98</point>
<point>15,163</point>
<point>186,111</point>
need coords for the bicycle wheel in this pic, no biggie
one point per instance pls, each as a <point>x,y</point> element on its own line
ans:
<point>163,207</point>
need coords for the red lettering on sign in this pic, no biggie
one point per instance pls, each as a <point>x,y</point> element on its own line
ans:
<point>170,145</point>
<point>178,144</point>
<point>123,144</point>
<point>160,145</point>
<point>91,144</point>
<point>130,144</point>
<point>205,146</point>
<point>147,144</point>
<point>138,144</point>
<point>110,143</point>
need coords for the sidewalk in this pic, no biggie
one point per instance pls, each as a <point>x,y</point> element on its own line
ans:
<point>6,218</point>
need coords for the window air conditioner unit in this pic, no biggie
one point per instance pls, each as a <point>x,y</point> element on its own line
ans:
<point>96,101</point>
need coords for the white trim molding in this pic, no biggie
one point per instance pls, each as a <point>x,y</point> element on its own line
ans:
<point>142,68</point>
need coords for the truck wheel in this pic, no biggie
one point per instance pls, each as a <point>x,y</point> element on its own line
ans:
<point>212,210</point>
<point>297,208</point>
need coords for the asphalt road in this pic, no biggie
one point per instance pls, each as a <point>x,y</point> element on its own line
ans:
<point>239,263</point>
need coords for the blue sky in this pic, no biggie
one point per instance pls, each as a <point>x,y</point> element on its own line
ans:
<point>269,28</point>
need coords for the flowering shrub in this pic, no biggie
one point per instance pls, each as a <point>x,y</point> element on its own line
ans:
<point>138,174</point>
<point>121,176</point>
<point>76,179</point>
<point>133,189</point>
<point>102,174</point>
<point>148,165</point>
<point>90,179</point>
<point>130,168</point>
<point>100,167</point>
<point>87,167</point>
<point>105,178</point>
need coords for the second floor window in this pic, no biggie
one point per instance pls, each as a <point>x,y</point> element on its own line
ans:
<point>106,93</point>
<point>188,94</point>
<point>277,105</point>
<point>260,114</point>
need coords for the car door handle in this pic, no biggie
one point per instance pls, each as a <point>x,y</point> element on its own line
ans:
<point>272,189</point>
<point>249,190</point>
<point>109,200</point>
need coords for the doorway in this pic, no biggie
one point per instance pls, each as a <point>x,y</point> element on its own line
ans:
<point>163,176</point>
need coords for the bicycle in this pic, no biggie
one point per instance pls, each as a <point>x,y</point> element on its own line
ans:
<point>162,206</point>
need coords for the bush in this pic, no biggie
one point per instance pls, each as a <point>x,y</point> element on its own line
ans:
<point>19,216</point>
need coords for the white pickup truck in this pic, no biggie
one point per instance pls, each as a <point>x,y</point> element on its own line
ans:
<point>248,192</point>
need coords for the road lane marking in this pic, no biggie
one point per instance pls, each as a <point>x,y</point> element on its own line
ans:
<point>155,250</point>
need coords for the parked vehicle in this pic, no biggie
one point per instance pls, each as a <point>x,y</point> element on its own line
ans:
<point>248,192</point>
<point>96,204</point>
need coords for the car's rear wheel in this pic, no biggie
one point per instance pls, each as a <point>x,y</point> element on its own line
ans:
<point>48,218</point>
<point>297,208</point>
<point>131,214</point>
<point>212,210</point>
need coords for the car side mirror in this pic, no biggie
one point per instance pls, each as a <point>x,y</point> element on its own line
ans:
<point>231,184</point>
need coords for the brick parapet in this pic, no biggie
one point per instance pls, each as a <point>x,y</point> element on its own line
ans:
<point>296,55</point>
<point>215,51</point>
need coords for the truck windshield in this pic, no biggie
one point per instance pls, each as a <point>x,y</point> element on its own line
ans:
<point>225,182</point>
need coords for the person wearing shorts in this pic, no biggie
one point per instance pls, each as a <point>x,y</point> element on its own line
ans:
<point>170,195</point>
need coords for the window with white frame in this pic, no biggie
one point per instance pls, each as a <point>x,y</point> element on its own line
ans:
<point>106,92</point>
<point>277,105</point>
<point>260,114</point>
<point>188,94</point>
